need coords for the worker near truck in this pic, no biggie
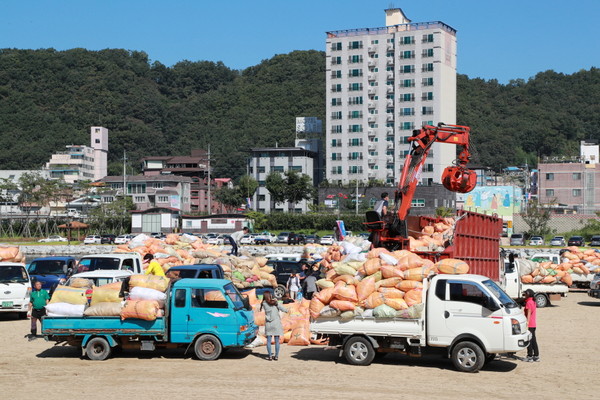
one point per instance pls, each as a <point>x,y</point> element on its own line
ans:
<point>533,354</point>
<point>381,207</point>
<point>37,303</point>
<point>273,325</point>
<point>235,238</point>
<point>153,267</point>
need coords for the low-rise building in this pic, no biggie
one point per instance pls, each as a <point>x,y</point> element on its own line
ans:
<point>220,223</point>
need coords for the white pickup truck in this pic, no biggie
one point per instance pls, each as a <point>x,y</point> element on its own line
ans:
<point>466,317</point>
<point>131,262</point>
<point>511,283</point>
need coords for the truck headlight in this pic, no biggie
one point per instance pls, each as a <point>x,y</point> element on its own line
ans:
<point>516,326</point>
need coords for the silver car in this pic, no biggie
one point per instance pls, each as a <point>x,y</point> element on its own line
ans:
<point>558,241</point>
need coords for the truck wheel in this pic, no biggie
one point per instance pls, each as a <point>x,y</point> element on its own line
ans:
<point>541,300</point>
<point>98,349</point>
<point>208,348</point>
<point>359,351</point>
<point>468,357</point>
<point>279,292</point>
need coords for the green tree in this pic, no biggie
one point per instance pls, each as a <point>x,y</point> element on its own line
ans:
<point>537,218</point>
<point>275,184</point>
<point>298,187</point>
<point>231,198</point>
<point>247,186</point>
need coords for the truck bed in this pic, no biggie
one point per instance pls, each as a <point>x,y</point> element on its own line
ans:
<point>560,288</point>
<point>390,327</point>
<point>67,326</point>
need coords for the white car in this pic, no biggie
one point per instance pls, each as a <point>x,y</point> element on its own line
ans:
<point>248,239</point>
<point>536,241</point>
<point>53,238</point>
<point>16,288</point>
<point>216,240</point>
<point>267,236</point>
<point>327,240</point>
<point>123,239</point>
<point>102,277</point>
<point>92,239</point>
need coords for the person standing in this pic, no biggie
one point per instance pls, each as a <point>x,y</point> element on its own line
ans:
<point>293,285</point>
<point>309,285</point>
<point>37,303</point>
<point>533,353</point>
<point>273,326</point>
<point>153,267</point>
<point>235,238</point>
<point>381,207</point>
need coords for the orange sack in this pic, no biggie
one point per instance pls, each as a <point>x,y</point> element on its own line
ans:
<point>374,300</point>
<point>390,271</point>
<point>300,336</point>
<point>391,293</point>
<point>452,266</point>
<point>396,304</point>
<point>315,307</point>
<point>325,295</point>
<point>407,285</point>
<point>345,292</point>
<point>413,297</point>
<point>140,309</point>
<point>342,305</point>
<point>365,287</point>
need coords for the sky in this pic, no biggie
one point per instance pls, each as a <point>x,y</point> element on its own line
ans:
<point>501,40</point>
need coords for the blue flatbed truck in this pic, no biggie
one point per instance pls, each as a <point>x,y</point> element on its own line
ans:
<point>193,319</point>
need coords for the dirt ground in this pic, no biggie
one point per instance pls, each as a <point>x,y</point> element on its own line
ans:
<point>567,338</point>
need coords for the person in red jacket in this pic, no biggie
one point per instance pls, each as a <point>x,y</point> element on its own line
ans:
<point>533,353</point>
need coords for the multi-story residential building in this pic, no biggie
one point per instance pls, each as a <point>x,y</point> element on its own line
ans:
<point>382,83</point>
<point>151,191</point>
<point>303,158</point>
<point>82,163</point>
<point>571,182</point>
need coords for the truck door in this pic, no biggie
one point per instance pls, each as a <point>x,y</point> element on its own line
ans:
<point>179,315</point>
<point>466,312</point>
<point>210,312</point>
<point>511,278</point>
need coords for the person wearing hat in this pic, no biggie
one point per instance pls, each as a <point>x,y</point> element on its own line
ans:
<point>533,353</point>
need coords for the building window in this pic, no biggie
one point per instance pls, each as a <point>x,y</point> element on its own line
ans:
<point>428,38</point>
<point>355,169</point>
<point>336,115</point>
<point>407,54</point>
<point>427,96</point>
<point>427,53</point>
<point>262,197</point>
<point>261,170</point>
<point>406,69</point>
<point>427,82</point>
<point>355,114</point>
<point>355,156</point>
<point>550,177</point>
<point>336,129</point>
<point>355,128</point>
<point>418,203</point>
<point>336,101</point>
<point>336,88</point>
<point>355,86</point>
<point>355,100</point>
<point>355,142</point>
<point>576,176</point>
<point>407,126</point>
<point>297,168</point>
<point>355,72</point>
<point>407,40</point>
<point>277,169</point>
<point>427,67</point>
<point>358,44</point>
<point>163,199</point>
<point>336,143</point>
<point>407,97</point>
<point>336,74</point>
<point>108,199</point>
<point>336,60</point>
<point>139,199</point>
<point>336,170</point>
<point>136,188</point>
<point>355,59</point>
<point>549,192</point>
<point>407,83</point>
<point>157,185</point>
<point>336,156</point>
<point>336,46</point>
<point>576,192</point>
<point>427,111</point>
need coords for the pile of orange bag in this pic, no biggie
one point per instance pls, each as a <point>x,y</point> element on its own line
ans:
<point>296,323</point>
<point>386,285</point>
<point>175,250</point>
<point>11,254</point>
<point>582,261</point>
<point>433,237</point>
<point>574,261</point>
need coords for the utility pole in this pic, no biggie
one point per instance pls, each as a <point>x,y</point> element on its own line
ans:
<point>356,197</point>
<point>124,173</point>
<point>209,184</point>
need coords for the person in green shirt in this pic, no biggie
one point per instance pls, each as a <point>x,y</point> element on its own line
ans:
<point>37,301</point>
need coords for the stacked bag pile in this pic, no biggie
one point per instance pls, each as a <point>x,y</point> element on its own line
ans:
<point>433,237</point>
<point>296,323</point>
<point>385,285</point>
<point>581,262</point>
<point>70,301</point>
<point>175,250</point>
<point>11,254</point>
<point>574,261</point>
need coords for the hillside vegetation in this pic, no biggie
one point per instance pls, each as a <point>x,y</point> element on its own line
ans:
<point>50,98</point>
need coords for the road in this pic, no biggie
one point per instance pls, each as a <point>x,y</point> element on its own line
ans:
<point>566,332</point>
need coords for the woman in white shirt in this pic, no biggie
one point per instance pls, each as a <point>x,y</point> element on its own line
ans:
<point>293,285</point>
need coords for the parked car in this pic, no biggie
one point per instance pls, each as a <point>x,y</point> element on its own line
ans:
<point>327,240</point>
<point>312,239</point>
<point>296,238</point>
<point>16,288</point>
<point>53,238</point>
<point>51,271</point>
<point>265,237</point>
<point>247,239</point>
<point>517,239</point>
<point>216,240</point>
<point>282,237</point>
<point>108,238</point>
<point>123,239</point>
<point>196,271</point>
<point>158,235</point>
<point>536,241</point>
<point>101,277</point>
<point>558,241</point>
<point>595,241</point>
<point>92,239</point>
<point>282,271</point>
<point>576,241</point>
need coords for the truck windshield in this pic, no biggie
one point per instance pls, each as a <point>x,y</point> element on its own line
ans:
<point>13,274</point>
<point>500,294</point>
<point>235,296</point>
<point>47,267</point>
<point>93,264</point>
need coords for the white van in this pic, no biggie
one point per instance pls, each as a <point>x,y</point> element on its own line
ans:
<point>15,288</point>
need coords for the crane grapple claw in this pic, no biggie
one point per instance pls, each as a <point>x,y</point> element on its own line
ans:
<point>459,179</point>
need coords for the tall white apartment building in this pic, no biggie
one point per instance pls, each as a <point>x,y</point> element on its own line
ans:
<point>82,163</point>
<point>382,83</point>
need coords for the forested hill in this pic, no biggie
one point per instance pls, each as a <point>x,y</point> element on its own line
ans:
<point>49,99</point>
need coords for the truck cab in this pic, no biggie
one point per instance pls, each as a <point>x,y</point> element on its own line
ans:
<point>15,288</point>
<point>131,262</point>
<point>51,271</point>
<point>197,271</point>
